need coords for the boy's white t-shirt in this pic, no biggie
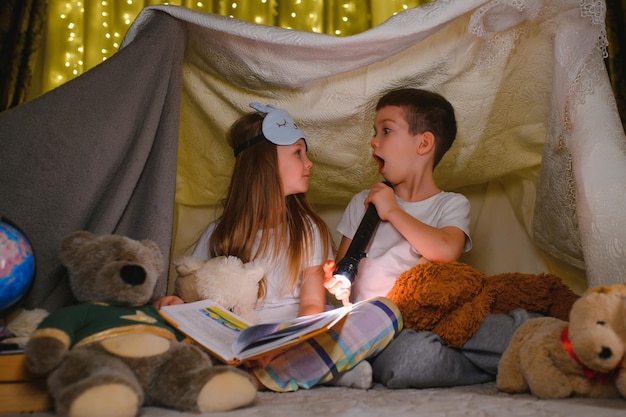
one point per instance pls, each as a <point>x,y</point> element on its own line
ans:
<point>280,303</point>
<point>389,253</point>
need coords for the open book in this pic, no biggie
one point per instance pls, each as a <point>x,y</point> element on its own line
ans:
<point>232,339</point>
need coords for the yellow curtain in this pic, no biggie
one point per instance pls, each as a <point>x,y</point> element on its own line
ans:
<point>83,33</point>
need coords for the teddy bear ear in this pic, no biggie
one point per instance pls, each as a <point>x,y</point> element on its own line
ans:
<point>600,290</point>
<point>75,240</point>
<point>156,253</point>
<point>619,289</point>
<point>255,270</point>
<point>186,265</point>
<point>615,289</point>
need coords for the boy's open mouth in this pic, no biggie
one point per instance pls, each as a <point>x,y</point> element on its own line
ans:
<point>380,161</point>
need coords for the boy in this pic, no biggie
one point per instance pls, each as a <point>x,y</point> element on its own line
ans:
<point>413,129</point>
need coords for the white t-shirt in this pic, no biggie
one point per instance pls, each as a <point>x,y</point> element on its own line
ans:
<point>389,253</point>
<point>279,303</point>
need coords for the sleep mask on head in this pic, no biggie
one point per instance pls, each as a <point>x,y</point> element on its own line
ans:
<point>278,127</point>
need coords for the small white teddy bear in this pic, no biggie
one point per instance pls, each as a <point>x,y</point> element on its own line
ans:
<point>223,279</point>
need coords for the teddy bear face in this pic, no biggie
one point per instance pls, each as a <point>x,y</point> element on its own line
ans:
<point>597,330</point>
<point>111,268</point>
<point>223,279</point>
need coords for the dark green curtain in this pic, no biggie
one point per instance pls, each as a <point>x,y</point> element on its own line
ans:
<point>21,32</point>
<point>616,62</point>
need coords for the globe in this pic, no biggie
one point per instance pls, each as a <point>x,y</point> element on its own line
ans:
<point>17,264</point>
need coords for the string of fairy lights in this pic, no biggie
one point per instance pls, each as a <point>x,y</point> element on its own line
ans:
<point>80,34</point>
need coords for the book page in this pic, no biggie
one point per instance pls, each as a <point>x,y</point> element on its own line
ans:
<point>207,323</point>
<point>261,337</point>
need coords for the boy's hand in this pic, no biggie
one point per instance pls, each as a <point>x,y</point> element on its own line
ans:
<point>335,286</point>
<point>383,197</point>
<point>168,300</point>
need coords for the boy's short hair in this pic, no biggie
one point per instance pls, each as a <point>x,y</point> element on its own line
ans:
<point>425,111</point>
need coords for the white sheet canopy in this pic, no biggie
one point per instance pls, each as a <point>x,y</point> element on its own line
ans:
<point>541,151</point>
<point>536,114</point>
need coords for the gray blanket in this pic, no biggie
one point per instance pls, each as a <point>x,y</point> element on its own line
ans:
<point>98,154</point>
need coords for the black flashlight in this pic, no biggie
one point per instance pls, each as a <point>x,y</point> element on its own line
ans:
<point>346,268</point>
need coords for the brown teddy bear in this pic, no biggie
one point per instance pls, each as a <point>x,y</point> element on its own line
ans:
<point>113,353</point>
<point>451,299</point>
<point>552,358</point>
<point>224,279</point>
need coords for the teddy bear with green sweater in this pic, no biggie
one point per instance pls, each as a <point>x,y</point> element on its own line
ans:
<point>113,353</point>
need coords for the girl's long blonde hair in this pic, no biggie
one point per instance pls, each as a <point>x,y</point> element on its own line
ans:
<point>255,203</point>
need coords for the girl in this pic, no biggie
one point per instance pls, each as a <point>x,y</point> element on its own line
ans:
<point>266,218</point>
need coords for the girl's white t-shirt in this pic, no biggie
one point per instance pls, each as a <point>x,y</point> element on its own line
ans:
<point>280,303</point>
<point>389,253</point>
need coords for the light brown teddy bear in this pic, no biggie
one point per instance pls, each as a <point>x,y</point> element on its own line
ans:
<point>224,279</point>
<point>113,353</point>
<point>551,358</point>
<point>451,299</point>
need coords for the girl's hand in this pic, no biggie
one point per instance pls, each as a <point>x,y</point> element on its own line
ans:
<point>335,286</point>
<point>168,300</point>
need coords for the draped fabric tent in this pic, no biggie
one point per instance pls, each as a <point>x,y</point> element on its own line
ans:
<point>136,145</point>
